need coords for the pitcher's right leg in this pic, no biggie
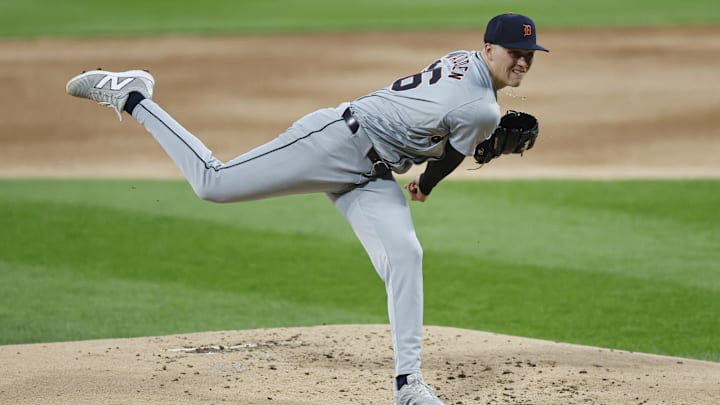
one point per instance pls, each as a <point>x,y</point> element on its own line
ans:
<point>297,161</point>
<point>316,154</point>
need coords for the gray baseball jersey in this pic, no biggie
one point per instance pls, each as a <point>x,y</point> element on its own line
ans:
<point>452,100</point>
<point>409,122</point>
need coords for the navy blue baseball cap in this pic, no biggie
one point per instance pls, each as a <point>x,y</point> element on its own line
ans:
<point>512,31</point>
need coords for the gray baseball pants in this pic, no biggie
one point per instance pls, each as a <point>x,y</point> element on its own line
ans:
<point>318,153</point>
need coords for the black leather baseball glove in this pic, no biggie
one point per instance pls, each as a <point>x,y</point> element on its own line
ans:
<point>516,133</point>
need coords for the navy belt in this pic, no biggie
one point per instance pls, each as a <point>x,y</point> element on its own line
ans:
<point>380,168</point>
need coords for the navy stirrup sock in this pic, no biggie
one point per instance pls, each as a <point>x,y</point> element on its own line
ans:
<point>133,100</point>
<point>401,380</point>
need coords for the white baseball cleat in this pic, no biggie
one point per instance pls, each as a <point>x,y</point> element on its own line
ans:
<point>111,89</point>
<point>416,392</point>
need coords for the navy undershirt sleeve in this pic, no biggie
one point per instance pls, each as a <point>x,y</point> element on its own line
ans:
<point>437,170</point>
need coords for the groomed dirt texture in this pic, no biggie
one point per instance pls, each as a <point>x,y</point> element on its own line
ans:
<point>612,104</point>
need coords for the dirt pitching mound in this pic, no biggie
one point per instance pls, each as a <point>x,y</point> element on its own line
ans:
<point>348,364</point>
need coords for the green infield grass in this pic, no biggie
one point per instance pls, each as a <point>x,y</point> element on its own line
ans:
<point>32,18</point>
<point>623,264</point>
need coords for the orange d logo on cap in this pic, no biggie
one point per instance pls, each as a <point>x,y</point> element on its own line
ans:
<point>527,30</point>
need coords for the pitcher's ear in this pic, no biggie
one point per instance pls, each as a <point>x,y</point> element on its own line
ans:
<point>488,50</point>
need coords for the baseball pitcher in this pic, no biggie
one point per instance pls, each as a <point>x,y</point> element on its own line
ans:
<point>437,116</point>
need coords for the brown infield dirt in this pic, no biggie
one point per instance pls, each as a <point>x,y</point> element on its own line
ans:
<point>641,103</point>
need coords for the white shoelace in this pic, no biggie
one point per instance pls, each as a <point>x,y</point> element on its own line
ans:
<point>108,100</point>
